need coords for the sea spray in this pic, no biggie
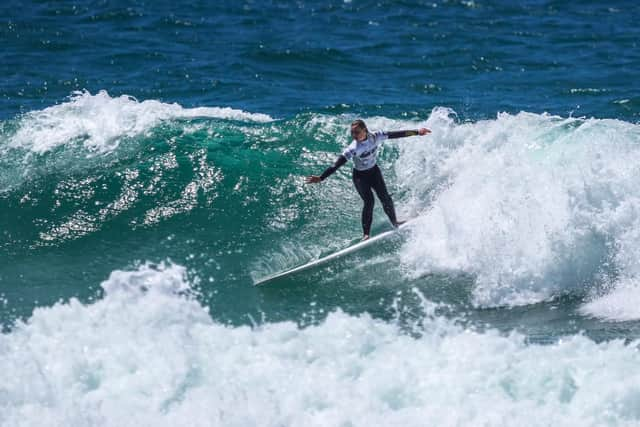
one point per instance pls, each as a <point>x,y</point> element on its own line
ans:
<point>534,206</point>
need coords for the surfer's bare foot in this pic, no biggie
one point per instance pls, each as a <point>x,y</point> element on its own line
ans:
<point>365,237</point>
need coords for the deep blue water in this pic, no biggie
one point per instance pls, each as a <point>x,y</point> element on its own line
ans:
<point>362,56</point>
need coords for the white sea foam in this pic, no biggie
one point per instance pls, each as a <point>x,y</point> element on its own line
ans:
<point>100,121</point>
<point>532,205</point>
<point>619,304</point>
<point>147,354</point>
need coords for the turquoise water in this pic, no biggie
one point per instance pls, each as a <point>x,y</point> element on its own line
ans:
<point>152,164</point>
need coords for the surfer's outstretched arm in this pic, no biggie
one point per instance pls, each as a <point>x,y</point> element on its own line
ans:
<point>331,169</point>
<point>404,133</point>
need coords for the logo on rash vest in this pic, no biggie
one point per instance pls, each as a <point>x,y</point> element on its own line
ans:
<point>367,153</point>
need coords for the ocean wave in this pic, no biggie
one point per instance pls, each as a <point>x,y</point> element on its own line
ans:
<point>532,206</point>
<point>149,353</point>
<point>100,121</point>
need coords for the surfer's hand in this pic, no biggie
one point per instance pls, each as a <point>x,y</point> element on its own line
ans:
<point>423,131</point>
<point>313,179</point>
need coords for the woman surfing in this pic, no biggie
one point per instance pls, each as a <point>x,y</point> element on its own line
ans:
<point>366,173</point>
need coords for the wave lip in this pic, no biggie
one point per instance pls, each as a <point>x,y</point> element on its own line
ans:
<point>100,121</point>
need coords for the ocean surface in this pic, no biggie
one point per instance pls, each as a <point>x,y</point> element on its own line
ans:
<point>152,165</point>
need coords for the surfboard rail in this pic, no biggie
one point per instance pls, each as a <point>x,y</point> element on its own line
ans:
<point>327,258</point>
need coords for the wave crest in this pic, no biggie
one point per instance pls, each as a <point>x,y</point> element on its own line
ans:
<point>100,121</point>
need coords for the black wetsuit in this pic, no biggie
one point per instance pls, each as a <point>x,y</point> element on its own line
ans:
<point>370,179</point>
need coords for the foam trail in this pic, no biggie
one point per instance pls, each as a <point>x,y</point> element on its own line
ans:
<point>148,354</point>
<point>533,206</point>
<point>101,121</point>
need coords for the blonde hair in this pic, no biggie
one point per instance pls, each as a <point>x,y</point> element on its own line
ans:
<point>359,124</point>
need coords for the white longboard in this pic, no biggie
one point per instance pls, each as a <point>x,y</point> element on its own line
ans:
<point>329,257</point>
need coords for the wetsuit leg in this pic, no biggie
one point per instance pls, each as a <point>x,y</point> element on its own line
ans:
<point>381,190</point>
<point>362,182</point>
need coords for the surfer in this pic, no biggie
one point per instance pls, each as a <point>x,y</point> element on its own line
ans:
<point>366,173</point>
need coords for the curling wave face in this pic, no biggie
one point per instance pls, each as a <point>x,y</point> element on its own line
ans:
<point>531,206</point>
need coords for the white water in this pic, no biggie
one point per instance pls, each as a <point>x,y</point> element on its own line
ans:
<point>146,354</point>
<point>534,206</point>
<point>100,121</point>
